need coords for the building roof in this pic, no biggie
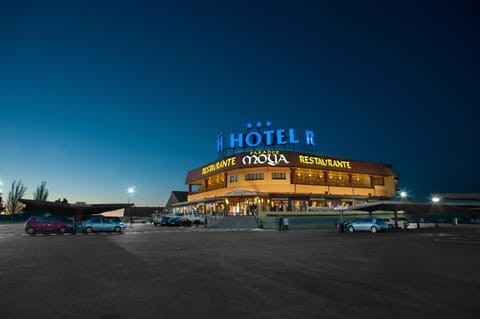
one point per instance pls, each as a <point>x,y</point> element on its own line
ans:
<point>418,208</point>
<point>176,197</point>
<point>458,196</point>
<point>180,196</point>
<point>62,208</point>
<point>293,159</point>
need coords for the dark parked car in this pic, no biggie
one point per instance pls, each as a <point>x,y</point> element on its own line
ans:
<point>164,220</point>
<point>179,221</point>
<point>48,224</point>
<point>371,224</point>
<point>174,221</point>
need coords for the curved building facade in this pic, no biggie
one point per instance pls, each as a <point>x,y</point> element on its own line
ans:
<point>284,180</point>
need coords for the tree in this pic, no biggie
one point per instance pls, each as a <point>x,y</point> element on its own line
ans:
<point>41,193</point>
<point>16,193</point>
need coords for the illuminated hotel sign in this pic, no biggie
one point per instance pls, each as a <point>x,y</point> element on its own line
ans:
<point>228,162</point>
<point>324,162</point>
<point>265,136</point>
<point>272,158</point>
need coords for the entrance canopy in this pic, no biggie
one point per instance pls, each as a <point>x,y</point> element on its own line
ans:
<point>243,193</point>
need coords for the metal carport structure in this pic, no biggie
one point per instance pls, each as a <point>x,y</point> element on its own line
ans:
<point>76,210</point>
<point>419,209</point>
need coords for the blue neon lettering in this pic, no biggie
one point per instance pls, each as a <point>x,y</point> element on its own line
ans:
<point>239,140</point>
<point>220,143</point>
<point>309,137</point>
<point>281,137</point>
<point>269,137</point>
<point>256,137</point>
<point>248,139</point>
<point>291,135</point>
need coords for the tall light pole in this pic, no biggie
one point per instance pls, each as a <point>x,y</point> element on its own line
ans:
<point>130,192</point>
<point>1,197</point>
<point>435,200</point>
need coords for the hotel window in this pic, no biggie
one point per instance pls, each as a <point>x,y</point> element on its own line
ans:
<point>338,179</point>
<point>215,182</point>
<point>378,180</point>
<point>254,177</point>
<point>309,177</point>
<point>233,179</point>
<point>361,180</point>
<point>279,176</point>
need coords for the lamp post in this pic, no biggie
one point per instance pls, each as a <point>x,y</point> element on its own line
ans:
<point>341,226</point>
<point>435,200</point>
<point>130,192</point>
<point>1,197</point>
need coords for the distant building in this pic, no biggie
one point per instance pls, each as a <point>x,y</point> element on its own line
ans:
<point>144,211</point>
<point>175,198</point>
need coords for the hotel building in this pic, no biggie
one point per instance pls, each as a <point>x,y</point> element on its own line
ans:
<point>263,173</point>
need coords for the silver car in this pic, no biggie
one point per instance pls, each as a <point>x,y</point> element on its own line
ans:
<point>371,224</point>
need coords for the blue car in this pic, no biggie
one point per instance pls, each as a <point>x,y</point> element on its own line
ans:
<point>165,220</point>
<point>370,224</point>
<point>179,221</point>
<point>101,223</point>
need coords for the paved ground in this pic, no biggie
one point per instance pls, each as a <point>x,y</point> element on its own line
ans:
<point>203,273</point>
<point>233,222</point>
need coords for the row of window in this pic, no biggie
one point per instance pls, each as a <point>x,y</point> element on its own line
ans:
<point>258,177</point>
<point>307,178</point>
<point>315,177</point>
<point>299,176</point>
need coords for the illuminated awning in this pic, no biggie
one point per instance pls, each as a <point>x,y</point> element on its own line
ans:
<point>244,193</point>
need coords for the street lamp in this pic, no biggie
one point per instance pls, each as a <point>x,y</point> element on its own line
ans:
<point>1,197</point>
<point>435,200</point>
<point>130,192</point>
<point>402,194</point>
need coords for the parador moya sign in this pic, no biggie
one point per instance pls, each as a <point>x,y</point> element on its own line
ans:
<point>270,158</point>
<point>275,158</point>
<point>263,135</point>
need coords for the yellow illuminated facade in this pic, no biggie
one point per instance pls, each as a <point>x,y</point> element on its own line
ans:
<point>275,180</point>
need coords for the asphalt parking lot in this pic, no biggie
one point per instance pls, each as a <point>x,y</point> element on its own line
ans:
<point>150,272</point>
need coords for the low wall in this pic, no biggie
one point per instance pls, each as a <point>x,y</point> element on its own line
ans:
<point>309,220</point>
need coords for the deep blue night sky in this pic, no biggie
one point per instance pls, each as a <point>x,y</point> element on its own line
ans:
<point>96,96</point>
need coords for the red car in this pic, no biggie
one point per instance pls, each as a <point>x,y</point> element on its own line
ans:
<point>48,224</point>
